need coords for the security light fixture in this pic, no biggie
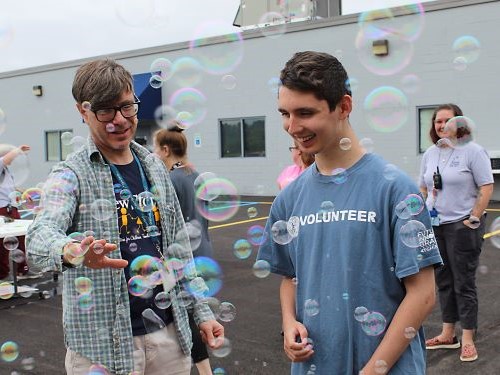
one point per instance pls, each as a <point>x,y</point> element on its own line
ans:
<point>380,47</point>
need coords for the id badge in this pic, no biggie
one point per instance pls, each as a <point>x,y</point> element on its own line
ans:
<point>434,217</point>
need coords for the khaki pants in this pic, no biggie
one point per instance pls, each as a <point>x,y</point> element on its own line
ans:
<point>157,353</point>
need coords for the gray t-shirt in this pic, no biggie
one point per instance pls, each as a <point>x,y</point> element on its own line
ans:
<point>183,180</point>
<point>463,170</point>
<point>349,256</point>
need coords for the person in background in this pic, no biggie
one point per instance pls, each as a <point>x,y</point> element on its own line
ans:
<point>457,180</point>
<point>358,278</point>
<point>301,160</point>
<point>171,147</point>
<point>7,187</point>
<point>119,201</point>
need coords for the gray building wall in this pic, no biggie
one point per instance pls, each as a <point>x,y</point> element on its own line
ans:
<point>474,89</point>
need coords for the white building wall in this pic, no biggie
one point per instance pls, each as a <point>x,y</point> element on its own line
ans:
<point>475,90</point>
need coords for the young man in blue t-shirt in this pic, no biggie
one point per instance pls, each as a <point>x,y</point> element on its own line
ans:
<point>351,237</point>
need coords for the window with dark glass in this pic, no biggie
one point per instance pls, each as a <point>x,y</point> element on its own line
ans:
<point>56,149</point>
<point>243,137</point>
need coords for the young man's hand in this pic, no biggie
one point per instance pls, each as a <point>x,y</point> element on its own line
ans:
<point>296,342</point>
<point>92,254</point>
<point>212,333</point>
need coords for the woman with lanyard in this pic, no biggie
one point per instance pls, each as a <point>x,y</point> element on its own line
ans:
<point>457,182</point>
<point>171,146</point>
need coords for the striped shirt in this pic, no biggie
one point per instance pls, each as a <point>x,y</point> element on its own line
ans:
<point>99,327</point>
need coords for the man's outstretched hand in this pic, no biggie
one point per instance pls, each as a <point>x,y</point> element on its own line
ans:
<point>92,253</point>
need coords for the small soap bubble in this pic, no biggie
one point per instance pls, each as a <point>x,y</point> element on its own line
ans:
<point>242,249</point>
<point>83,285</point>
<point>85,302</point>
<point>132,247</point>
<point>125,194</point>
<point>309,343</point>
<point>409,233</point>
<point>110,127</point>
<point>380,366</point>
<point>155,81</point>
<point>28,363</point>
<point>86,106</point>
<point>17,256</point>
<point>252,212</point>
<point>367,144</point>
<point>345,144</point>
<point>9,351</point>
<point>339,176</point>
<point>98,248</point>
<point>162,68</point>
<point>374,324</point>
<point>460,63</point>
<point>102,209</point>
<point>311,307</point>
<point>483,269</point>
<point>280,233</point>
<point>228,82</point>
<point>224,350</point>
<point>227,312</point>
<point>163,300</point>
<point>361,313</point>
<point>256,235</point>
<point>326,206</point>
<point>390,172</point>
<point>467,47</point>
<point>96,369</point>
<point>261,269</point>
<point>410,83</point>
<point>10,243</point>
<point>66,138</point>
<point>410,332</point>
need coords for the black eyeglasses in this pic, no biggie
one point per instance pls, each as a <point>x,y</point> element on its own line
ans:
<point>291,148</point>
<point>127,110</point>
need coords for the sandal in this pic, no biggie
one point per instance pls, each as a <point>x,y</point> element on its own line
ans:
<point>469,353</point>
<point>437,343</point>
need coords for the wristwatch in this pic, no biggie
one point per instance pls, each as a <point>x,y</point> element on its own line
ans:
<point>473,219</point>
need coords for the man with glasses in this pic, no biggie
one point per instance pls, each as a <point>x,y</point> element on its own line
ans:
<point>112,223</point>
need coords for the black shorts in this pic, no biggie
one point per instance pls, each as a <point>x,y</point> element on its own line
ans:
<point>199,350</point>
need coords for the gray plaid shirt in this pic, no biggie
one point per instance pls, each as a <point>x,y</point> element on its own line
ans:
<point>103,334</point>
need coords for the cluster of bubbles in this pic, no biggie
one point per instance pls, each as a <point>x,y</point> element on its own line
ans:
<point>372,323</point>
<point>84,288</point>
<point>466,50</point>
<point>411,232</point>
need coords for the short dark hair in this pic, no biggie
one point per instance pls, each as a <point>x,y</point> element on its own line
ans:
<point>461,131</point>
<point>101,82</point>
<point>318,73</point>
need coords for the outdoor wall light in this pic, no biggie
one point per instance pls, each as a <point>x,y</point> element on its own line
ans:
<point>37,90</point>
<point>380,47</point>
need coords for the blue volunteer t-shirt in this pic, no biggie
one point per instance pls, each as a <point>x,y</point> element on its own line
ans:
<point>355,236</point>
<point>135,241</point>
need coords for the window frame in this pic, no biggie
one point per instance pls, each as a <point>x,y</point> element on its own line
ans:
<point>243,122</point>
<point>423,137</point>
<point>62,150</point>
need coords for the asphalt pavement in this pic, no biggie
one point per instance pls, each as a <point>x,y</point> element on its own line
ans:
<point>33,321</point>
